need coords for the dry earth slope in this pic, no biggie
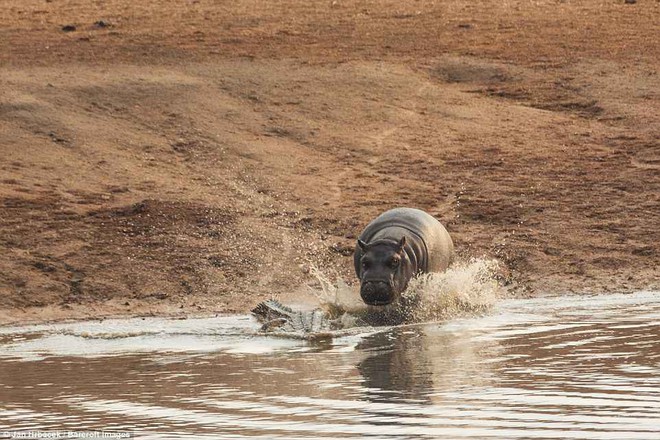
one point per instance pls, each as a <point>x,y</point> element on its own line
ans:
<point>200,158</point>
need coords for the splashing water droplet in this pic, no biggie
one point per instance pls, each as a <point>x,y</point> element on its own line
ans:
<point>466,288</point>
<point>337,298</point>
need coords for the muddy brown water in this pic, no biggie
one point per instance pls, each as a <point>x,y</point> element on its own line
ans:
<point>571,367</point>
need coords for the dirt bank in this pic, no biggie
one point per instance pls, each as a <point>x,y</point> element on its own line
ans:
<point>198,158</point>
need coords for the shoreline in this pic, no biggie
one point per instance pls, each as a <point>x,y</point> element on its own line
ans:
<point>45,316</point>
<point>145,164</point>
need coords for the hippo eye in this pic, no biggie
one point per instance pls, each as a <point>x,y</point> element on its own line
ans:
<point>394,263</point>
<point>366,264</point>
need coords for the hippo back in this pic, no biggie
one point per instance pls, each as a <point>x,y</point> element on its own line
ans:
<point>427,238</point>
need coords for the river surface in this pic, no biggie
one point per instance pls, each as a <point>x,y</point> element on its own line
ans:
<point>547,368</point>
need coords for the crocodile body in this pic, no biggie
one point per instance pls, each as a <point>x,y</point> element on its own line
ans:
<point>280,319</point>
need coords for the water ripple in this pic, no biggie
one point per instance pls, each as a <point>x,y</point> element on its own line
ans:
<point>544,368</point>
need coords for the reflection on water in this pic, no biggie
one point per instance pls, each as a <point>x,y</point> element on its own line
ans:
<point>571,367</point>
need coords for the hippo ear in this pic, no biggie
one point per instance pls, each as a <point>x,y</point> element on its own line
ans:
<point>362,244</point>
<point>402,243</point>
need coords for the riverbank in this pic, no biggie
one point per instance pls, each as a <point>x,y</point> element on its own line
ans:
<point>200,160</point>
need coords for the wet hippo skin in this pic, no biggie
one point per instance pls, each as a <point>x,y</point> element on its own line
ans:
<point>395,247</point>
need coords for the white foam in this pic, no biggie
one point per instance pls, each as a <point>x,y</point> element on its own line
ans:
<point>466,288</point>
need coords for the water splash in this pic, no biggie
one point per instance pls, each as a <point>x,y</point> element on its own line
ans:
<point>467,288</point>
<point>340,301</point>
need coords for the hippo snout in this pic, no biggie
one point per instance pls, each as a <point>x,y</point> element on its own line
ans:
<point>377,293</point>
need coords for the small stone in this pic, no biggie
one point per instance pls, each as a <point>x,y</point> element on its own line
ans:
<point>68,28</point>
<point>630,2</point>
<point>101,24</point>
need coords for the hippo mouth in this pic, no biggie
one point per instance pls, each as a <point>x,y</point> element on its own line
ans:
<point>377,293</point>
<point>379,303</point>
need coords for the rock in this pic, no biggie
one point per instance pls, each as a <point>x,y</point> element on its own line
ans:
<point>342,249</point>
<point>55,138</point>
<point>101,24</point>
<point>68,28</point>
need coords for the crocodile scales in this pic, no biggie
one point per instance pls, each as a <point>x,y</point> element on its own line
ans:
<point>280,319</point>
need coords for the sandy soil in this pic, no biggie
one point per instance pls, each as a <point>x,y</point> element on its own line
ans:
<point>198,156</point>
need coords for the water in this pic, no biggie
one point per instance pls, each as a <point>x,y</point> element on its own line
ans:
<point>550,368</point>
<point>466,288</point>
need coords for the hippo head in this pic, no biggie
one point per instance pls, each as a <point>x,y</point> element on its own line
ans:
<point>384,271</point>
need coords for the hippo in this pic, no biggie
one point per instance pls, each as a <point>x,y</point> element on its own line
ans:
<point>396,246</point>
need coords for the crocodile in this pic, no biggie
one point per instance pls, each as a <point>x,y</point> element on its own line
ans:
<point>283,320</point>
